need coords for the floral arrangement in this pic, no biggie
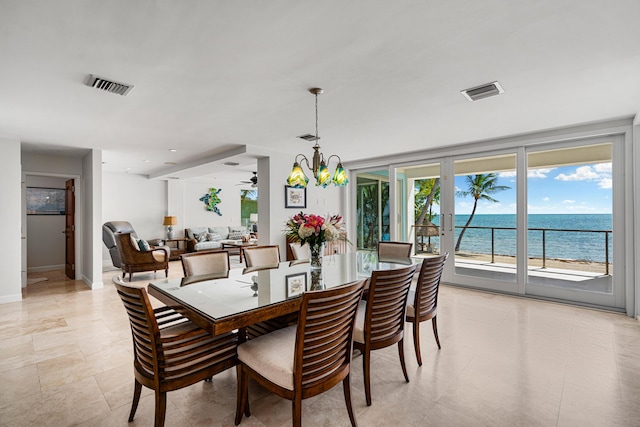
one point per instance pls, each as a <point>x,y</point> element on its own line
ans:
<point>315,229</point>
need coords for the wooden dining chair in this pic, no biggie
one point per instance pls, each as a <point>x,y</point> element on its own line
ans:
<point>380,320</point>
<point>425,299</point>
<point>299,252</point>
<point>394,249</point>
<point>260,257</point>
<point>305,360</point>
<point>195,264</point>
<point>170,352</point>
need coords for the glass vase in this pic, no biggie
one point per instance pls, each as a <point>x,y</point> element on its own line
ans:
<point>316,253</point>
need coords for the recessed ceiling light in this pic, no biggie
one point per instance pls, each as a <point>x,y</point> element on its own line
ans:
<point>173,150</point>
<point>147,161</point>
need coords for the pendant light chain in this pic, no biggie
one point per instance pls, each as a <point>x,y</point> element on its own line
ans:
<point>317,119</point>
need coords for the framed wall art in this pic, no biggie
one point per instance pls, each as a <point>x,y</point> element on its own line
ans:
<point>295,198</point>
<point>296,284</point>
<point>45,201</point>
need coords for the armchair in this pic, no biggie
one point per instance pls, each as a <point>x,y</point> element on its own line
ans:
<point>133,260</point>
<point>109,231</point>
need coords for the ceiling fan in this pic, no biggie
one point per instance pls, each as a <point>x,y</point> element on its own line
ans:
<point>253,180</point>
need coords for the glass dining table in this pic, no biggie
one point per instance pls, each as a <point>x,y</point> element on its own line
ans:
<point>222,303</point>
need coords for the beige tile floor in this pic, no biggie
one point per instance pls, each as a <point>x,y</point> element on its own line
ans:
<point>65,359</point>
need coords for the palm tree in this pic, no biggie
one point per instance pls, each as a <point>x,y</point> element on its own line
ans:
<point>480,187</point>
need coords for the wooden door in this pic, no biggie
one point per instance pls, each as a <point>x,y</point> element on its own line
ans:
<point>69,229</point>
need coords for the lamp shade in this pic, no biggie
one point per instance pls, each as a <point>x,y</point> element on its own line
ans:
<point>340,178</point>
<point>253,217</point>
<point>170,220</point>
<point>297,179</point>
<point>324,176</point>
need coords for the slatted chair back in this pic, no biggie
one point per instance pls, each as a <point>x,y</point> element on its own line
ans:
<point>386,305</point>
<point>196,264</point>
<point>144,327</point>
<point>394,249</point>
<point>324,338</point>
<point>425,300</point>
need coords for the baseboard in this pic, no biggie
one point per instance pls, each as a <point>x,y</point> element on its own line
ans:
<point>10,298</point>
<point>92,285</point>
<point>45,268</point>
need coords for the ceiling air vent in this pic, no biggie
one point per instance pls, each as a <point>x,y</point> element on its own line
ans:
<point>484,91</point>
<point>309,137</point>
<point>108,85</point>
<point>231,164</point>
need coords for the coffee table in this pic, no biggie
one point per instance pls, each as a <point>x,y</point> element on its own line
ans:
<point>238,244</point>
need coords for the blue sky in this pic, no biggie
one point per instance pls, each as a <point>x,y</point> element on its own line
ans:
<point>581,189</point>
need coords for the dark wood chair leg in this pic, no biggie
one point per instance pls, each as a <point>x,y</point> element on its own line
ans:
<point>161,408</point>
<point>367,377</point>
<point>434,323</point>
<point>416,340</point>
<point>346,386</point>
<point>136,398</point>
<point>242,403</point>
<point>401,353</point>
<point>296,409</point>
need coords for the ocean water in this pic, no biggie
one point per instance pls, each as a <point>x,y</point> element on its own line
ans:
<point>583,245</point>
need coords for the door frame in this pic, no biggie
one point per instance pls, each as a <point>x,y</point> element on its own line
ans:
<point>77,217</point>
<point>622,127</point>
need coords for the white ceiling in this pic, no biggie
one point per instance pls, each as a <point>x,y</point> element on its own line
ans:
<point>211,76</point>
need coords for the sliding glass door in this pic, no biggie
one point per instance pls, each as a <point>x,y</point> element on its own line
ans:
<point>373,209</point>
<point>571,243</point>
<point>483,221</point>
<point>540,221</point>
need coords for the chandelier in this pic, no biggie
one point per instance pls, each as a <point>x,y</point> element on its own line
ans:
<point>298,179</point>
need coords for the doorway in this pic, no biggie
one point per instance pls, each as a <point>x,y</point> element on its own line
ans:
<point>50,235</point>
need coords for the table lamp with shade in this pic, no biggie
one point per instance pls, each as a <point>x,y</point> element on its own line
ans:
<point>253,218</point>
<point>169,222</point>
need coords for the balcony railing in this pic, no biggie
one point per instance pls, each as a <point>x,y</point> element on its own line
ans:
<point>544,232</point>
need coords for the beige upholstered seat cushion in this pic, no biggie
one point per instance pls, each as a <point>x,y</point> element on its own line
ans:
<point>411,311</point>
<point>358,331</point>
<point>271,355</point>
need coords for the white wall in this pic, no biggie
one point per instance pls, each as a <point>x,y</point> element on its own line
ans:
<point>136,199</point>
<point>90,214</point>
<point>194,212</point>
<point>271,195</point>
<point>10,216</point>
<point>45,233</point>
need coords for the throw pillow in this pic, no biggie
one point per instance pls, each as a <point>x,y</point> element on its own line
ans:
<point>134,242</point>
<point>144,245</point>
<point>236,235</point>
<point>213,237</point>
<point>200,237</point>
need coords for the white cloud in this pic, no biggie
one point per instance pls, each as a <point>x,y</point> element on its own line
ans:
<point>602,167</point>
<point>539,173</point>
<point>546,199</point>
<point>568,201</point>
<point>583,173</point>
<point>605,183</point>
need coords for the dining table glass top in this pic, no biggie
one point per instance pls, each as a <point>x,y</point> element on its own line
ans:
<point>219,296</point>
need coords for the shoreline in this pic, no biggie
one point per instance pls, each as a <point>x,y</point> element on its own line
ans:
<point>562,264</point>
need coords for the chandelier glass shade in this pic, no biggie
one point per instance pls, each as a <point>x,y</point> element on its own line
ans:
<point>318,166</point>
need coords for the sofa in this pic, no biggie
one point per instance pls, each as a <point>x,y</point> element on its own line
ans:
<point>210,238</point>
